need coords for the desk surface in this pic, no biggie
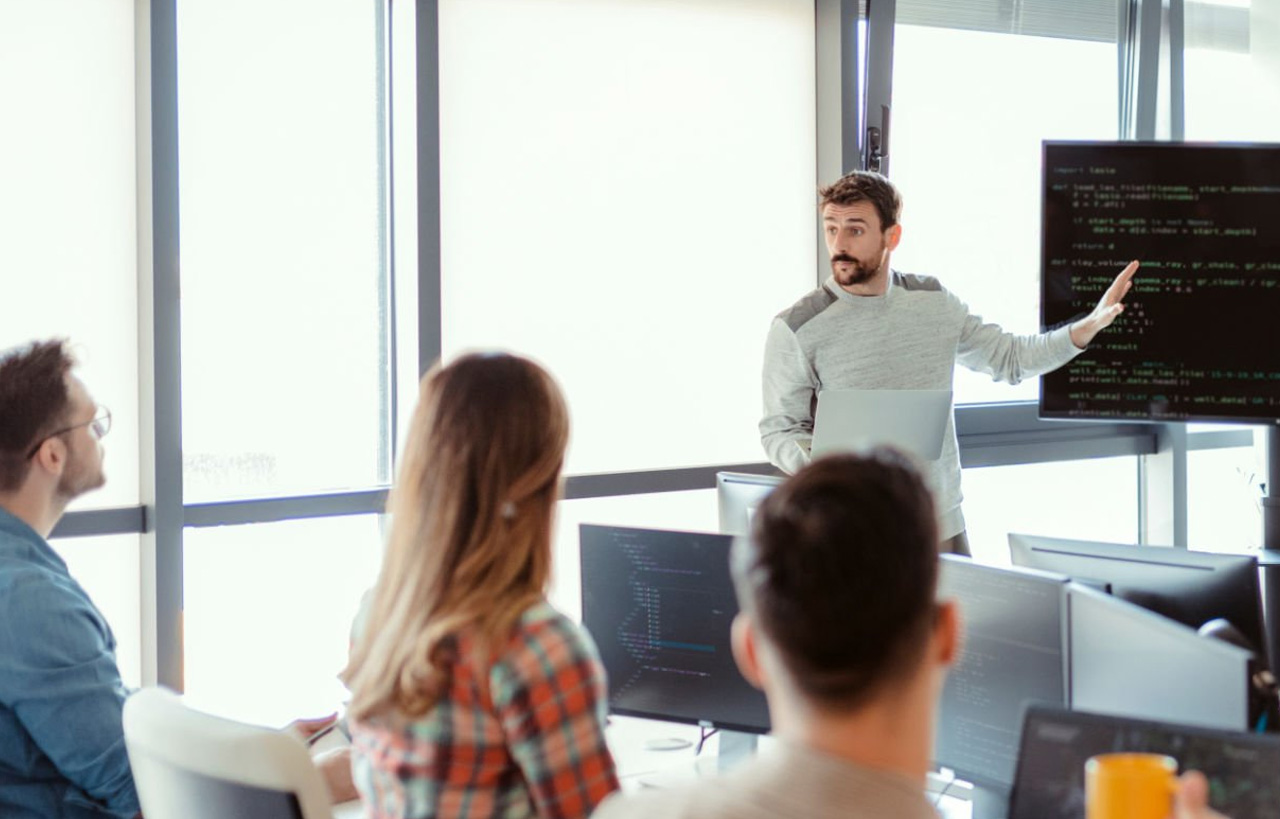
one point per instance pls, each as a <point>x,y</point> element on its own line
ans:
<point>637,765</point>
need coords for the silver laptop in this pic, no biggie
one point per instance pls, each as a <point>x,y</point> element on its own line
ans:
<point>914,421</point>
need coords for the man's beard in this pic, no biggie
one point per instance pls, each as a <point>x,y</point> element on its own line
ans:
<point>859,272</point>
<point>80,476</point>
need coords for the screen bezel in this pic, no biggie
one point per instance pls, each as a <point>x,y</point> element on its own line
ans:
<point>657,715</point>
<point>1076,415</point>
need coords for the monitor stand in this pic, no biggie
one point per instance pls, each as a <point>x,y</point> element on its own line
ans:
<point>985,802</point>
<point>1269,560</point>
<point>735,747</point>
<point>988,803</point>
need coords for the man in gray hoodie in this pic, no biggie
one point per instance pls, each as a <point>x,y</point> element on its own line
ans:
<point>871,327</point>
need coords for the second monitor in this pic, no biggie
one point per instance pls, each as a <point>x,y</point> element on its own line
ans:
<point>659,605</point>
<point>1189,587</point>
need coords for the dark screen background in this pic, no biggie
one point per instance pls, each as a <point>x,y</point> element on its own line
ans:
<point>659,606</point>
<point>1199,338</point>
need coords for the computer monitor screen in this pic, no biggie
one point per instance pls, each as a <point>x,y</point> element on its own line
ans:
<point>1128,661</point>
<point>1201,219</point>
<point>1190,587</point>
<point>1014,654</point>
<point>659,605</point>
<point>738,494</point>
<point>1241,768</point>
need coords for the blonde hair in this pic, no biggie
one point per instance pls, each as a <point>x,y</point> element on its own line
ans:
<point>470,540</point>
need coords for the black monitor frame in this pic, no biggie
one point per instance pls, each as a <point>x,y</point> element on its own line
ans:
<point>723,721</point>
<point>1190,159</point>
<point>1187,586</point>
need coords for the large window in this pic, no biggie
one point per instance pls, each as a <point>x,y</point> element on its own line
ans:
<point>627,194</point>
<point>623,189</point>
<point>1233,70</point>
<point>67,204</point>
<point>1224,499</point>
<point>68,248</point>
<point>287,340</point>
<point>285,354</point>
<point>269,610</point>
<point>107,568</point>
<point>971,106</point>
<point>1094,499</point>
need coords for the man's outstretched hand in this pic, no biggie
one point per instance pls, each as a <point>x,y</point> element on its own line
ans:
<point>1109,306</point>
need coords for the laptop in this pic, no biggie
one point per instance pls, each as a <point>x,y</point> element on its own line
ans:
<point>914,421</point>
<point>1243,769</point>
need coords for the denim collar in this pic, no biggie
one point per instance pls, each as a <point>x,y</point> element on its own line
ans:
<point>15,534</point>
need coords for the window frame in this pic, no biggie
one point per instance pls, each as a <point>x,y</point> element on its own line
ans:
<point>989,434</point>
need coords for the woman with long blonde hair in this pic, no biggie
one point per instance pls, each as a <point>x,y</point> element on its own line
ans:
<point>471,695</point>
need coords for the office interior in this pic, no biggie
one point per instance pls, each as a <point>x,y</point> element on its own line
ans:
<point>261,220</point>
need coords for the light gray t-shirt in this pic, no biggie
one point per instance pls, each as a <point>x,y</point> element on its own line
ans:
<point>908,339</point>
<point>786,782</point>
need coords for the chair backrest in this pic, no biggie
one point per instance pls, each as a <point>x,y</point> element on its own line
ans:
<point>190,765</point>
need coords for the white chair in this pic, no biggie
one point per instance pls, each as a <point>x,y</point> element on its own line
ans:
<point>189,765</point>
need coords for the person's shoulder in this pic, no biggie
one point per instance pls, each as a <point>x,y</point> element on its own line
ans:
<point>927,292</point>
<point>28,586</point>
<point>702,800</point>
<point>544,621</point>
<point>807,308</point>
<point>44,609</point>
<point>917,283</point>
<point>545,641</point>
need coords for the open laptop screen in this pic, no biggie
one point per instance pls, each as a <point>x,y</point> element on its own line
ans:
<point>914,421</point>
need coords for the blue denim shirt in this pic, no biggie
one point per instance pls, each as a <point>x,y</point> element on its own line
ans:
<point>62,748</point>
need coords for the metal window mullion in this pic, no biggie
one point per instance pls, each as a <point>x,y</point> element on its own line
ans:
<point>387,409</point>
<point>1163,490</point>
<point>1177,70</point>
<point>1140,69</point>
<point>430,317</point>
<point>123,520</point>
<point>881,18</point>
<point>160,319</point>
<point>244,512</point>
<point>838,99</point>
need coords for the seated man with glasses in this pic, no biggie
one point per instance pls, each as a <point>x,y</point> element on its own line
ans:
<point>62,750</point>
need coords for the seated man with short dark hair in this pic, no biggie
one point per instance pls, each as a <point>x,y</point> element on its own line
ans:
<point>840,626</point>
<point>62,748</point>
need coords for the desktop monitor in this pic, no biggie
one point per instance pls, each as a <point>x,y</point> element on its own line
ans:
<point>659,605</point>
<point>1190,587</point>
<point>1241,768</point>
<point>737,496</point>
<point>1128,661</point>
<point>1014,653</point>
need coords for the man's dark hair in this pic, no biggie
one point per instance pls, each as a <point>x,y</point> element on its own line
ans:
<point>33,401</point>
<point>865,186</point>
<point>840,572</point>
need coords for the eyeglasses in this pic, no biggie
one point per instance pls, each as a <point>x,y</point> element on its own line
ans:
<point>99,427</point>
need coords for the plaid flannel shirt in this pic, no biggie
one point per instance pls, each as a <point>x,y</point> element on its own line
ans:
<point>533,746</point>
